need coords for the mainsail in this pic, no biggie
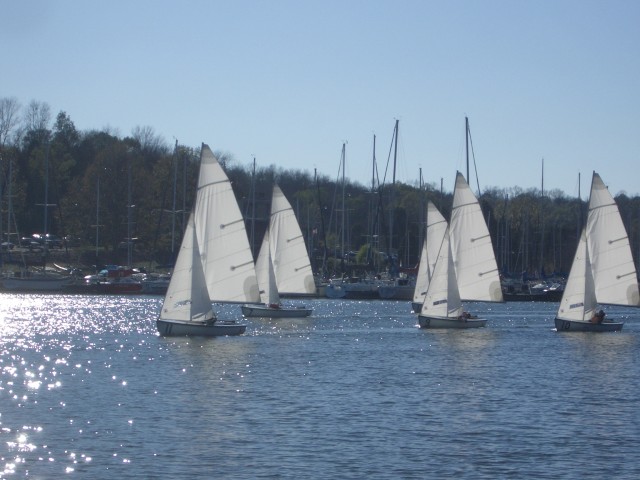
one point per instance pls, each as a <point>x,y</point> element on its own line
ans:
<point>222,236</point>
<point>289,253</point>
<point>614,272</point>
<point>474,259</point>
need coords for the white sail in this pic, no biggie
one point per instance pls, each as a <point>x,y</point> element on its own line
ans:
<point>614,272</point>
<point>187,297</point>
<point>443,298</point>
<point>474,259</point>
<point>289,252</point>
<point>264,271</point>
<point>579,299</point>
<point>436,226</point>
<point>224,246</point>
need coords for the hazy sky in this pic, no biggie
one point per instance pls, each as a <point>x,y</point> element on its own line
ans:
<point>289,81</point>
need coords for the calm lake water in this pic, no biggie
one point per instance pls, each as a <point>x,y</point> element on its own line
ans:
<point>89,390</point>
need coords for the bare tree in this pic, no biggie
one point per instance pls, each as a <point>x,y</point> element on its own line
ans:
<point>9,109</point>
<point>226,159</point>
<point>148,140</point>
<point>37,116</point>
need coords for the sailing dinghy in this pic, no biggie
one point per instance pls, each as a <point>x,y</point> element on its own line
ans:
<point>602,272</point>
<point>442,307</point>
<point>221,234</point>
<point>215,244</point>
<point>465,269</point>
<point>187,310</point>
<point>271,307</point>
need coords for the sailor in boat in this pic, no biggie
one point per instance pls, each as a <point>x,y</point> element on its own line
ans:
<point>466,316</point>
<point>598,317</point>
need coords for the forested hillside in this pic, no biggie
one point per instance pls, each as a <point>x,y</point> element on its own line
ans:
<point>102,190</point>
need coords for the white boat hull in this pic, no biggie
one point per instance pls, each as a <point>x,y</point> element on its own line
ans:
<point>447,322</point>
<point>333,291</point>
<point>35,283</point>
<point>578,326</point>
<point>205,329</point>
<point>270,312</point>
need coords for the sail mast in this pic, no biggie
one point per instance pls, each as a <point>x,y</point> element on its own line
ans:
<point>466,134</point>
<point>323,234</point>
<point>129,212</point>
<point>393,189</point>
<point>253,205</point>
<point>542,222</point>
<point>173,206</point>
<point>46,195</point>
<point>46,203</point>
<point>372,206</point>
<point>343,208</point>
<point>97,219</point>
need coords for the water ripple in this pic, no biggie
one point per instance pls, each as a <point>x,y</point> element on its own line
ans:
<point>88,388</point>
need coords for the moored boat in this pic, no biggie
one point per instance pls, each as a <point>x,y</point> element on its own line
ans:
<point>31,282</point>
<point>358,288</point>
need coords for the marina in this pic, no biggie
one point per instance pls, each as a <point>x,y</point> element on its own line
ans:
<point>169,310</point>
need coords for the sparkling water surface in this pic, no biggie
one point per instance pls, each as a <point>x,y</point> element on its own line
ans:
<point>89,390</point>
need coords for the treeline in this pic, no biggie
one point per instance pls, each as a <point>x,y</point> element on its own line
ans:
<point>101,190</point>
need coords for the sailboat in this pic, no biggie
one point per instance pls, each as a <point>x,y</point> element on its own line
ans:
<point>602,272</point>
<point>436,226</point>
<point>187,305</point>
<point>222,238</point>
<point>291,263</point>
<point>473,255</point>
<point>466,267</point>
<point>349,286</point>
<point>270,306</point>
<point>442,307</point>
<point>29,281</point>
<point>186,310</point>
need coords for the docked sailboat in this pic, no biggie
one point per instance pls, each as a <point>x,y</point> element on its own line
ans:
<point>603,271</point>
<point>29,281</point>
<point>347,286</point>
<point>271,306</point>
<point>442,307</point>
<point>187,310</point>
<point>436,226</point>
<point>37,281</point>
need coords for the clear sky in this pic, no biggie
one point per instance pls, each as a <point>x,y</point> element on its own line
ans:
<point>288,81</point>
